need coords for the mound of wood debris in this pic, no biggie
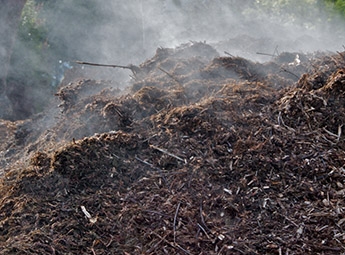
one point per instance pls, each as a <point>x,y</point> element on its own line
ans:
<point>202,154</point>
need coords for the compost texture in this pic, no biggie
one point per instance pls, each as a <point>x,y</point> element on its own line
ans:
<point>202,154</point>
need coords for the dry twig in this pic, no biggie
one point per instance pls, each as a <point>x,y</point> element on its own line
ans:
<point>171,76</point>
<point>175,217</point>
<point>168,153</point>
<point>135,69</point>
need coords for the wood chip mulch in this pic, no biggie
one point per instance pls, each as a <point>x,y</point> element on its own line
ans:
<point>202,154</point>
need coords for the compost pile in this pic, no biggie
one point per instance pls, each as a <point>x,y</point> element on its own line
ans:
<point>202,154</point>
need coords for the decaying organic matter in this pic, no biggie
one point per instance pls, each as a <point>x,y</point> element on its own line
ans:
<point>202,154</point>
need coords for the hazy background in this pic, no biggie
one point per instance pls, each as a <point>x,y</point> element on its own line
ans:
<point>129,31</point>
<point>54,33</point>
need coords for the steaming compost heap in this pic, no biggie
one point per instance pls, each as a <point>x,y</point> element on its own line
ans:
<point>203,154</point>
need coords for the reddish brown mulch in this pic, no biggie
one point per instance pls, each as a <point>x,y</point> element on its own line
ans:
<point>201,155</point>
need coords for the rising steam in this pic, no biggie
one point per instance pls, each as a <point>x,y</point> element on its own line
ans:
<point>123,33</point>
<point>129,32</point>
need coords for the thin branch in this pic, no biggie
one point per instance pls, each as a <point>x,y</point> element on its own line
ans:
<point>203,230</point>
<point>171,76</point>
<point>144,162</point>
<point>133,68</point>
<point>175,217</point>
<point>330,133</point>
<point>335,135</point>
<point>227,53</point>
<point>204,227</point>
<point>281,121</point>
<point>285,70</point>
<point>265,54</point>
<point>339,132</point>
<point>275,53</point>
<point>168,153</point>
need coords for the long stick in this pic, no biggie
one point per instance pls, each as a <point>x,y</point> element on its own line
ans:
<point>95,64</point>
<point>265,54</point>
<point>133,68</point>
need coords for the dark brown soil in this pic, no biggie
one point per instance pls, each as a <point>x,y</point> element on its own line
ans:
<point>202,154</point>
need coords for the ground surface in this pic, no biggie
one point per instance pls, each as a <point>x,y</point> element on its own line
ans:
<point>201,155</point>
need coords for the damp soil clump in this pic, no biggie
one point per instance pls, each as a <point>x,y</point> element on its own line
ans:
<point>201,154</point>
